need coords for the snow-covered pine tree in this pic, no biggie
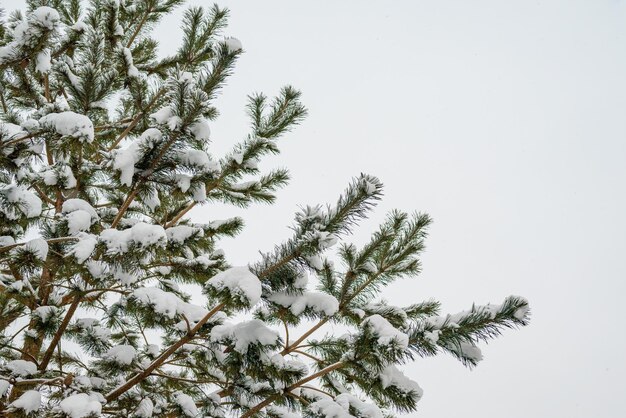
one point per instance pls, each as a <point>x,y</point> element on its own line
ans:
<point>104,149</point>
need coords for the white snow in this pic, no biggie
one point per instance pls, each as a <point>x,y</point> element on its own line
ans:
<point>30,125</point>
<point>66,174</point>
<point>79,26</point>
<point>369,187</point>
<point>201,130</point>
<point>87,322</point>
<point>11,130</point>
<point>325,239</point>
<point>21,368</point>
<point>233,44</point>
<point>315,261</point>
<point>84,247</point>
<point>328,408</point>
<point>245,333</point>
<point>49,177</point>
<point>81,405</point>
<point>124,277</point>
<point>387,334</point>
<point>82,382</point>
<point>71,205</point>
<point>186,403</point>
<point>78,221</point>
<point>39,247</point>
<point>521,312</point>
<point>42,60</point>
<point>27,32</point>
<point>151,199</point>
<point>162,115</point>
<point>97,269</point>
<point>489,310</point>
<point>198,158</point>
<point>30,401</point>
<point>301,281</point>
<point>174,122</point>
<point>365,410</point>
<point>69,124</point>
<point>131,71</point>
<point>45,313</point>
<point>237,157</point>
<point>4,386</point>
<point>199,193</point>
<point>381,307</point>
<point>46,16</point>
<point>240,282</point>
<point>125,159</point>
<point>179,234</point>
<point>121,354</point>
<point>6,240</point>
<point>28,202</point>
<point>145,409</point>
<point>432,336</point>
<point>183,181</point>
<point>168,304</point>
<point>392,376</point>
<point>282,412</point>
<point>153,350</point>
<point>141,234</point>
<point>319,302</point>
<point>91,325</point>
<point>467,350</point>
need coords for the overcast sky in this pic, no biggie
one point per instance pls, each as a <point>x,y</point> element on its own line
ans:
<point>504,120</point>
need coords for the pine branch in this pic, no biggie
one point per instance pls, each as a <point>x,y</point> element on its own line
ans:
<point>268,401</point>
<point>57,336</point>
<point>120,390</point>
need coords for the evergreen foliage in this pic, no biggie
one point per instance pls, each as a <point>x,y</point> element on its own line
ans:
<point>104,149</point>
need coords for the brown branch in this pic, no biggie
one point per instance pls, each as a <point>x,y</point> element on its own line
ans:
<point>20,139</point>
<point>142,180</point>
<point>295,344</point>
<point>46,84</point>
<point>4,105</point>
<point>57,336</point>
<point>315,327</point>
<point>113,125</point>
<point>286,334</point>
<point>135,121</point>
<point>116,393</point>
<point>304,353</point>
<point>278,265</point>
<point>190,206</point>
<point>49,241</point>
<point>139,26</point>
<point>296,385</point>
<point>19,350</point>
<point>126,131</point>
<point>317,390</point>
<point>124,207</point>
<point>180,214</point>
<point>183,379</point>
<point>28,382</point>
<point>43,195</point>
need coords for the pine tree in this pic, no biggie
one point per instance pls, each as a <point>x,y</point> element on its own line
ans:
<point>104,149</point>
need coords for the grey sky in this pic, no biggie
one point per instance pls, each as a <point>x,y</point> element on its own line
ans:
<point>502,119</point>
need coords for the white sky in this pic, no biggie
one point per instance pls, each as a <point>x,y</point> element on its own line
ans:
<point>502,119</point>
